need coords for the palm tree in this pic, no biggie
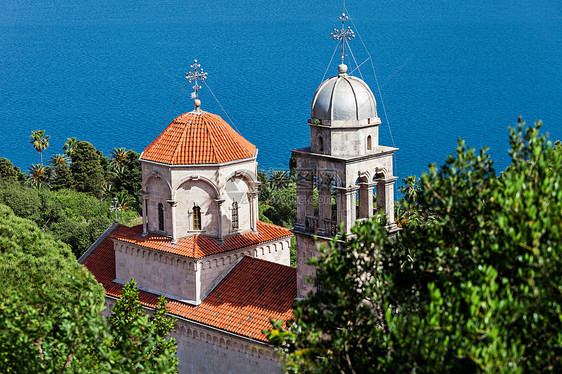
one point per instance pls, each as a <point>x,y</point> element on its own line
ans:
<point>119,155</point>
<point>123,199</point>
<point>59,160</point>
<point>69,146</point>
<point>107,190</point>
<point>279,179</point>
<point>40,141</point>
<point>117,171</point>
<point>37,175</point>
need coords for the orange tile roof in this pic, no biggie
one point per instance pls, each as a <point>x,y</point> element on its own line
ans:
<point>197,246</point>
<point>198,138</point>
<point>254,292</point>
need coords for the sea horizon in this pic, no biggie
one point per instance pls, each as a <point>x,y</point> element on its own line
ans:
<point>110,73</point>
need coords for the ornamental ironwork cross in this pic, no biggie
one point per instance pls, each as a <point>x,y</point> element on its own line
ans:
<point>115,207</point>
<point>343,34</point>
<point>197,76</point>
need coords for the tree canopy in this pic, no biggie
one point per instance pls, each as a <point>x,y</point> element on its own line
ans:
<point>471,284</point>
<point>49,305</point>
<point>87,170</point>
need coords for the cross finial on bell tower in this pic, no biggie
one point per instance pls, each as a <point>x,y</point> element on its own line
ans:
<point>198,76</point>
<point>342,35</point>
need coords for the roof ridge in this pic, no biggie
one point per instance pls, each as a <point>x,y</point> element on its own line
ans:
<point>180,142</point>
<point>192,141</point>
<point>209,133</point>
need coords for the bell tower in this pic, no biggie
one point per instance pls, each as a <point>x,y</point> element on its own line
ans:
<point>345,175</point>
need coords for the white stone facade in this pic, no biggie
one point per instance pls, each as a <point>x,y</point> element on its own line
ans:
<point>187,279</point>
<point>342,171</point>
<point>211,187</point>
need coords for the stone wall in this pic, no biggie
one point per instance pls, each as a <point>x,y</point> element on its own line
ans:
<point>153,270</point>
<point>203,349</point>
<point>208,351</point>
<point>187,279</point>
<point>213,188</point>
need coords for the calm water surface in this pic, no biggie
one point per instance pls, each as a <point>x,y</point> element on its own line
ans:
<point>109,73</point>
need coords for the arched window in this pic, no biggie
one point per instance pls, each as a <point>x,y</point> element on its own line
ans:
<point>160,217</point>
<point>320,144</point>
<point>235,216</point>
<point>196,218</point>
<point>369,145</point>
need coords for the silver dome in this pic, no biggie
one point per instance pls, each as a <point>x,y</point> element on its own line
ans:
<point>343,98</point>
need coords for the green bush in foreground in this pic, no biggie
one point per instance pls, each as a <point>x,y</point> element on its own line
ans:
<point>49,305</point>
<point>472,284</point>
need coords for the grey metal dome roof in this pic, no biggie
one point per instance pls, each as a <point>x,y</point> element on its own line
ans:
<point>343,98</point>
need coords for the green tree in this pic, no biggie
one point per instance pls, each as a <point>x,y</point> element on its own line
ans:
<point>127,179</point>
<point>49,313</point>
<point>263,188</point>
<point>279,179</point>
<point>69,146</point>
<point>293,166</point>
<point>118,156</point>
<point>9,172</point>
<point>61,176</point>
<point>47,300</point>
<point>281,207</point>
<point>40,141</point>
<point>38,176</point>
<point>59,160</point>
<point>139,342</point>
<point>23,200</point>
<point>87,170</point>
<point>472,284</point>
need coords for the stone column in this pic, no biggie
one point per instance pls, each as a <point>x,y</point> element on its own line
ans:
<point>219,202</point>
<point>381,193</point>
<point>385,197</point>
<point>305,203</point>
<point>370,187</point>
<point>254,214</point>
<point>145,197</point>
<point>173,204</point>
<point>324,206</point>
<point>347,213</point>
<point>389,199</point>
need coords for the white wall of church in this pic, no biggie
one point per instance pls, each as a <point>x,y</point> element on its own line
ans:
<point>203,350</point>
<point>159,194</point>
<point>194,193</point>
<point>278,252</point>
<point>156,271</point>
<point>202,185</point>
<point>183,278</point>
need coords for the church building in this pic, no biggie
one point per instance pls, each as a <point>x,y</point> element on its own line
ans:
<point>224,273</point>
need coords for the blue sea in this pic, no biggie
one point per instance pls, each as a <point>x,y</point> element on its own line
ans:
<point>111,72</point>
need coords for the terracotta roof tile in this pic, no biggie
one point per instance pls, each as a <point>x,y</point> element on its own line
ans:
<point>254,292</point>
<point>198,138</point>
<point>197,246</point>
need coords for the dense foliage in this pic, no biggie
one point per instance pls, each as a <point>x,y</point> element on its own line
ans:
<point>87,170</point>
<point>70,197</point>
<point>471,284</point>
<point>139,341</point>
<point>49,305</point>
<point>75,218</point>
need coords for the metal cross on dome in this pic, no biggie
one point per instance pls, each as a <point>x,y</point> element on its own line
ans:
<point>198,76</point>
<point>343,34</point>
